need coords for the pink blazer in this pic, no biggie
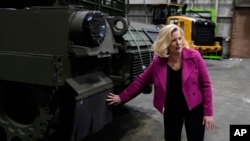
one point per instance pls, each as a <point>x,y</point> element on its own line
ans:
<point>195,81</point>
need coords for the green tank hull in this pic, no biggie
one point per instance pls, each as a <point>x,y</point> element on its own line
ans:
<point>58,63</point>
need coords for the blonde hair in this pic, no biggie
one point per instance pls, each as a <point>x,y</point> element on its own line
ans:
<point>163,40</point>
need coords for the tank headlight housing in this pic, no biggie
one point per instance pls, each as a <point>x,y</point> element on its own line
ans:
<point>87,28</point>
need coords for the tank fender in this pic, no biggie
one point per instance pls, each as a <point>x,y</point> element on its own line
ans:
<point>119,25</point>
<point>91,110</point>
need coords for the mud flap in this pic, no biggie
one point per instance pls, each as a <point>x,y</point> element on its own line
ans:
<point>91,110</point>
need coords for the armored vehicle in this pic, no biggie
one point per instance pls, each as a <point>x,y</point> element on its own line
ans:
<point>59,60</point>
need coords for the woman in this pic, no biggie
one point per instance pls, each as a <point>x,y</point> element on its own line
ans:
<point>182,87</point>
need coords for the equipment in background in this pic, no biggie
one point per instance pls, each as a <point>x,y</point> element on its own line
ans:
<point>199,31</point>
<point>209,14</point>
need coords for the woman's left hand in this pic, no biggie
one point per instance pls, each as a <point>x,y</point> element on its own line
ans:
<point>209,122</point>
<point>113,99</point>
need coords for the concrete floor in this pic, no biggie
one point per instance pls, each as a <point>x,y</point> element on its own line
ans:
<point>137,120</point>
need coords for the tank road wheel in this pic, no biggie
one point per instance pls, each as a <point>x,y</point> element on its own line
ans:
<point>24,111</point>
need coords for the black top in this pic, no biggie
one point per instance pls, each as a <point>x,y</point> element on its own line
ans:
<point>175,100</point>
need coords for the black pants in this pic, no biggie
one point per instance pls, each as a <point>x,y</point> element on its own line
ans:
<point>193,124</point>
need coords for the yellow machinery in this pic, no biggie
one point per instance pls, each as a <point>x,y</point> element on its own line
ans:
<point>199,32</point>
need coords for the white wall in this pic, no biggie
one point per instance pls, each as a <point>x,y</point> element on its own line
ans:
<point>242,3</point>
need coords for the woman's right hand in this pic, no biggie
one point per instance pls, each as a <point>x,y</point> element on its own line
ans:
<point>113,99</point>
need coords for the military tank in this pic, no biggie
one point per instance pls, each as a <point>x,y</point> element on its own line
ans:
<point>59,60</point>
